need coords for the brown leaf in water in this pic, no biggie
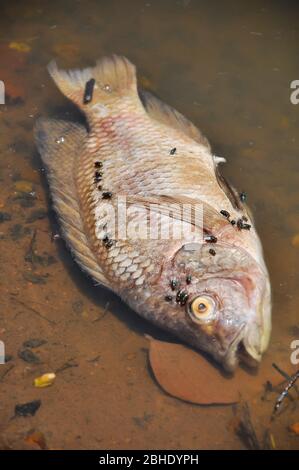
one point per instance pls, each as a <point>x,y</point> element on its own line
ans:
<point>189,376</point>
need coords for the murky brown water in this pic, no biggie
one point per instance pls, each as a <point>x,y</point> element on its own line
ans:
<point>229,69</point>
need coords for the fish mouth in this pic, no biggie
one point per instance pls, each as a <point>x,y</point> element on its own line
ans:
<point>252,339</point>
<point>242,351</point>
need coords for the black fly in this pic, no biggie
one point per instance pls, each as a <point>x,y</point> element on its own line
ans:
<point>182,297</point>
<point>225,214</point>
<point>243,196</point>
<point>107,241</point>
<point>106,195</point>
<point>88,92</point>
<point>242,225</point>
<point>211,239</point>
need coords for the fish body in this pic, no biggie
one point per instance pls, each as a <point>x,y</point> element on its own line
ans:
<point>140,168</point>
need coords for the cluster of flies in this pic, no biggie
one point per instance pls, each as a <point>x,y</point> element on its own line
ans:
<point>241,223</point>
<point>181,294</point>
<point>98,165</point>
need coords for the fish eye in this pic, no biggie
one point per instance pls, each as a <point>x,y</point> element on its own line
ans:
<point>202,308</point>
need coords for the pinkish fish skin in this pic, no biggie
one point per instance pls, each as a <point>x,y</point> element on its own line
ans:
<point>219,303</point>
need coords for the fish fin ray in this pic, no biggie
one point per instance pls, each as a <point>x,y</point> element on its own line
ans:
<point>59,158</point>
<point>205,216</point>
<point>167,115</point>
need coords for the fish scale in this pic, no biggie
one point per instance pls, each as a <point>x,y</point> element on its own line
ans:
<point>132,134</point>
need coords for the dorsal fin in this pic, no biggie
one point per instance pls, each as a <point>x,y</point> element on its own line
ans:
<point>167,115</point>
<point>59,145</point>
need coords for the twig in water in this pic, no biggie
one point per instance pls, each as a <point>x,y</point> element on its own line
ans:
<point>105,311</point>
<point>285,375</point>
<point>6,372</point>
<point>30,254</point>
<point>35,311</point>
<point>285,392</point>
<point>280,371</point>
<point>67,365</point>
<point>245,429</point>
<point>95,359</point>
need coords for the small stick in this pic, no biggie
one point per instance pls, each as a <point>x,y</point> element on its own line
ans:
<point>6,372</point>
<point>95,359</point>
<point>30,255</point>
<point>52,322</point>
<point>67,365</point>
<point>103,314</point>
<point>284,374</point>
<point>245,429</point>
<point>285,392</point>
<point>281,372</point>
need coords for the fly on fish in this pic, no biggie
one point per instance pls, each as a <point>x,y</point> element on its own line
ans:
<point>209,287</point>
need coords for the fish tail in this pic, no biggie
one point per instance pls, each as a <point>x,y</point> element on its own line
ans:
<point>111,79</point>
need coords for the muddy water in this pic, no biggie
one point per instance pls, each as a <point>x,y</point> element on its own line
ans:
<point>229,69</point>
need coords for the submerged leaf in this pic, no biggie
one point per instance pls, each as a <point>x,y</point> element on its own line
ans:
<point>189,376</point>
<point>185,374</point>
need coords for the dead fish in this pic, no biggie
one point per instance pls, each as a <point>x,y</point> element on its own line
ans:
<point>125,155</point>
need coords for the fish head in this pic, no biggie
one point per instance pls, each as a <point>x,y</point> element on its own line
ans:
<point>220,303</point>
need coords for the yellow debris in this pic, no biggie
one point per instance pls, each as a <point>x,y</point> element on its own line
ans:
<point>44,380</point>
<point>23,186</point>
<point>272,440</point>
<point>19,46</point>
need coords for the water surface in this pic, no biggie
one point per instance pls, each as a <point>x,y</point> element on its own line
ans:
<point>226,66</point>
